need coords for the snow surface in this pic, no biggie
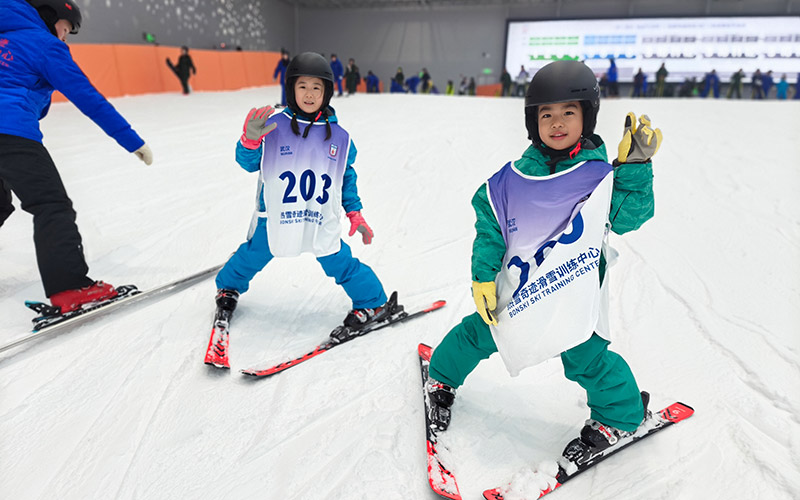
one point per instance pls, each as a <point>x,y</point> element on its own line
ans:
<point>705,308</point>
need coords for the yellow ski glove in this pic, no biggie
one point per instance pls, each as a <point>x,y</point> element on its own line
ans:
<point>485,295</point>
<point>638,145</point>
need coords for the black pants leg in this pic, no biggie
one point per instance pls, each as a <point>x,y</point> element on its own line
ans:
<point>184,83</point>
<point>6,208</point>
<point>27,169</point>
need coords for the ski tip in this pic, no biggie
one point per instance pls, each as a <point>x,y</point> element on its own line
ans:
<point>425,351</point>
<point>436,305</point>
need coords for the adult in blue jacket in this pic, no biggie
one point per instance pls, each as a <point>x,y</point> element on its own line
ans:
<point>613,87</point>
<point>280,71</point>
<point>35,61</point>
<point>338,72</point>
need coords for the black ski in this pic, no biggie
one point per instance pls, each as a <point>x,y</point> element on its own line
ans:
<point>48,322</point>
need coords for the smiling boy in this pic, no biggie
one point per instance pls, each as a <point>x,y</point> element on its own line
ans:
<point>538,258</point>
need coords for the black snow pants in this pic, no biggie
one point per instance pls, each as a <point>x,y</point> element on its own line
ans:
<point>27,169</point>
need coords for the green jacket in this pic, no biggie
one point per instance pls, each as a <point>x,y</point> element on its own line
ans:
<point>632,203</point>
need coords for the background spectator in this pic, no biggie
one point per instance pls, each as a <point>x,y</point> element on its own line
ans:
<point>463,87</point>
<point>280,71</point>
<point>639,84</point>
<point>767,84</point>
<point>757,91</point>
<point>711,84</point>
<point>351,76</point>
<point>425,78</point>
<point>182,69</point>
<point>603,83</point>
<point>471,86</point>
<point>338,72</point>
<point>411,84</point>
<point>797,87</point>
<point>505,83</point>
<point>373,83</point>
<point>613,88</point>
<point>399,80</point>
<point>450,89</point>
<point>782,88</point>
<point>661,79</point>
<point>736,84</point>
<point>522,82</point>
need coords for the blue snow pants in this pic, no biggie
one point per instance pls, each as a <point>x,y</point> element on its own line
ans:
<point>358,280</point>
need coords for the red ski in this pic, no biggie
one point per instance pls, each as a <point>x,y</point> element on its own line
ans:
<point>672,414</point>
<point>442,481</point>
<point>217,352</point>
<point>396,317</point>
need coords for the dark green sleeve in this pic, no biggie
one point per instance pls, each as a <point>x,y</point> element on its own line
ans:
<point>632,202</point>
<point>489,247</point>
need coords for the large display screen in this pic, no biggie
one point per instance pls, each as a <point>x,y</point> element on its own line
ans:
<point>688,47</point>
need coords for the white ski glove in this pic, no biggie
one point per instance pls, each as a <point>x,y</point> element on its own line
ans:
<point>144,154</point>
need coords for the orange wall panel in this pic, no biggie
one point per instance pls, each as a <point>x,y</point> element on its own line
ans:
<point>270,63</point>
<point>492,90</point>
<point>209,70</point>
<point>117,70</point>
<point>233,75</point>
<point>256,72</point>
<point>137,69</point>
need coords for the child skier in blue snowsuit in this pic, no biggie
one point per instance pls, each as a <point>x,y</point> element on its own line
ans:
<point>304,158</point>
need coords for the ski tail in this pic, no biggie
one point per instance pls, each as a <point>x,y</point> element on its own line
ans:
<point>672,414</point>
<point>217,351</point>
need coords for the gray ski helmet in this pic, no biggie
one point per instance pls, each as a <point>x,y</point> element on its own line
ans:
<point>562,81</point>
<point>308,64</point>
<point>52,10</point>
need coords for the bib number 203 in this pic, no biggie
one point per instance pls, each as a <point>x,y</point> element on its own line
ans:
<point>307,186</point>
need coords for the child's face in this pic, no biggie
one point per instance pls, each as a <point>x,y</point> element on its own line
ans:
<point>561,124</point>
<point>63,27</point>
<point>308,92</point>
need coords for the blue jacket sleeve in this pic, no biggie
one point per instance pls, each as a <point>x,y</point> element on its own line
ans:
<point>248,159</point>
<point>350,199</point>
<point>59,69</point>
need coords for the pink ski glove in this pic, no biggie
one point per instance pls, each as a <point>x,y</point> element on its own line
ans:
<point>357,223</point>
<point>254,129</point>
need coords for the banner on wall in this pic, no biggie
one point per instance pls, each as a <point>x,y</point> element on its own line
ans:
<point>688,47</point>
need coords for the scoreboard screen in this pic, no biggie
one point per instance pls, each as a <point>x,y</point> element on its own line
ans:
<point>687,46</point>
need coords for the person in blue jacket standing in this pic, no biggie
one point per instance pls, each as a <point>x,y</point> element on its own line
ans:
<point>280,72</point>
<point>797,87</point>
<point>338,72</point>
<point>613,87</point>
<point>35,61</point>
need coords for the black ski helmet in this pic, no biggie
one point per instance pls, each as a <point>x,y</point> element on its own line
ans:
<point>562,81</point>
<point>52,10</point>
<point>308,64</point>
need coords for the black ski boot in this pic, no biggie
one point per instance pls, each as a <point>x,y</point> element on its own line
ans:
<point>358,320</point>
<point>226,304</point>
<point>596,438</point>
<point>441,397</point>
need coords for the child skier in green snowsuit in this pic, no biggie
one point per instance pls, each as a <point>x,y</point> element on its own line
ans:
<point>537,198</point>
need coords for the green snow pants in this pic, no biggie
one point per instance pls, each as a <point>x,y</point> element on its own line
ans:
<point>611,389</point>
